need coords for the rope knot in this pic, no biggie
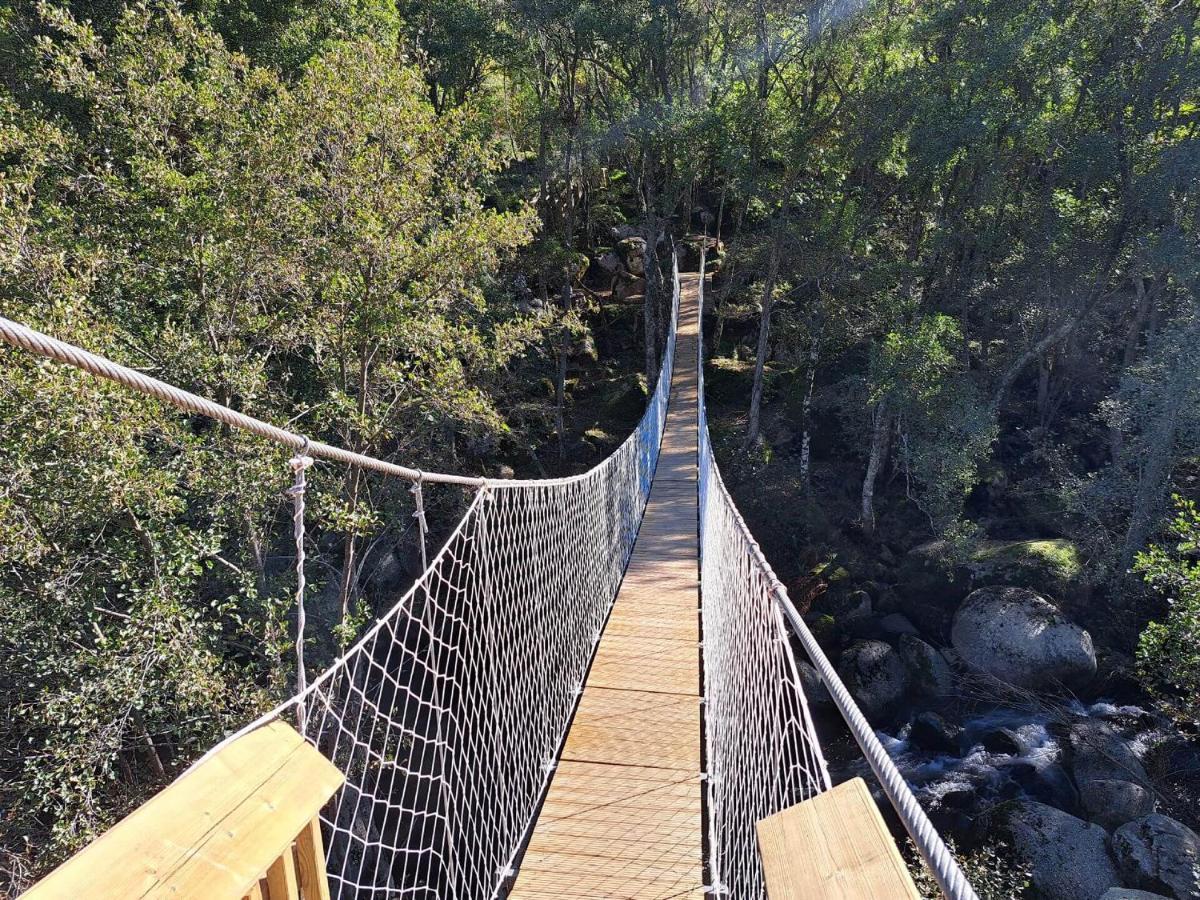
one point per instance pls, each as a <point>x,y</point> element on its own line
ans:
<point>300,462</point>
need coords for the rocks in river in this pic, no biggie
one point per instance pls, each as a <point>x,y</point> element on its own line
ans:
<point>928,670</point>
<point>930,731</point>
<point>814,686</point>
<point>1002,740</point>
<point>1160,854</point>
<point>1110,803</point>
<point>1046,783</point>
<point>897,624</point>
<point>1019,637</point>
<point>1069,857</point>
<point>876,675</point>
<point>1113,785</point>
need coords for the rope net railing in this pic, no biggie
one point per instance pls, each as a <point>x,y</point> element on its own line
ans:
<point>447,716</point>
<point>762,751</point>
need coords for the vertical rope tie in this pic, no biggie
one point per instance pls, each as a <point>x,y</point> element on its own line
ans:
<point>419,515</point>
<point>299,465</point>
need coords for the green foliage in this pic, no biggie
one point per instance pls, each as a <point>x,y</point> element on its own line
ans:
<point>994,870</point>
<point>1168,653</point>
<point>319,250</point>
<point>942,424</point>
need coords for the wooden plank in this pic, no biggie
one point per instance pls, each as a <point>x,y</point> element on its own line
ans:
<point>281,877</point>
<point>213,832</point>
<point>834,846</point>
<point>623,818</point>
<point>656,729</point>
<point>310,862</point>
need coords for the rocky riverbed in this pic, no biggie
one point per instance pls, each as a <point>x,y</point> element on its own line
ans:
<point>991,706</point>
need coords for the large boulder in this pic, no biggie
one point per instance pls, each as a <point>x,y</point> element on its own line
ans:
<point>1017,636</point>
<point>1113,785</point>
<point>1069,857</point>
<point>932,578</point>
<point>1121,893</point>
<point>813,684</point>
<point>896,624</point>
<point>928,670</point>
<point>1159,854</point>
<point>633,252</point>
<point>609,263</point>
<point>929,731</point>
<point>626,286</point>
<point>875,675</point>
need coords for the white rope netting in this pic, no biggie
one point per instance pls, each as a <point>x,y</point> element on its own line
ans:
<point>447,716</point>
<point>763,754</point>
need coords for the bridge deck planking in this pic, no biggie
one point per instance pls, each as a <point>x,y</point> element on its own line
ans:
<point>622,817</point>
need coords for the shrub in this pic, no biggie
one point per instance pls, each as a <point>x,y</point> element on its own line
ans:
<point>1168,653</point>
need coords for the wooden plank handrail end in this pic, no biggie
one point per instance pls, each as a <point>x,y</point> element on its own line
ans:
<point>834,846</point>
<point>243,820</point>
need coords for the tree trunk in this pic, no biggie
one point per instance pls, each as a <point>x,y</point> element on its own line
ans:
<point>650,301</point>
<point>881,419</point>
<point>1116,440</point>
<point>560,379</point>
<point>1045,368</point>
<point>764,332</point>
<point>1152,480</point>
<point>806,432</point>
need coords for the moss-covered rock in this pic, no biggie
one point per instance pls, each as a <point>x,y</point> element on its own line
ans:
<point>932,579</point>
<point>1048,565</point>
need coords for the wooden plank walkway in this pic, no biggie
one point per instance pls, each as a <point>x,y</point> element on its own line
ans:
<point>622,817</point>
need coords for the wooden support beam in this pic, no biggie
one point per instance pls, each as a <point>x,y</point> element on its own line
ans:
<point>833,847</point>
<point>216,831</point>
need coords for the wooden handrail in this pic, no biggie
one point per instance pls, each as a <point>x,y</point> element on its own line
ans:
<point>834,846</point>
<point>242,824</point>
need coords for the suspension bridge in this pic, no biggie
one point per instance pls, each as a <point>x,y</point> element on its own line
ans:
<point>591,691</point>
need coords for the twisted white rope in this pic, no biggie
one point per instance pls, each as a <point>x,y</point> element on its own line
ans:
<point>299,465</point>
<point>27,338</point>
<point>419,515</point>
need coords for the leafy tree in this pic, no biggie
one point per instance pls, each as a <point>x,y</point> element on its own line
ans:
<point>321,251</point>
<point>1169,650</point>
<point>940,423</point>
